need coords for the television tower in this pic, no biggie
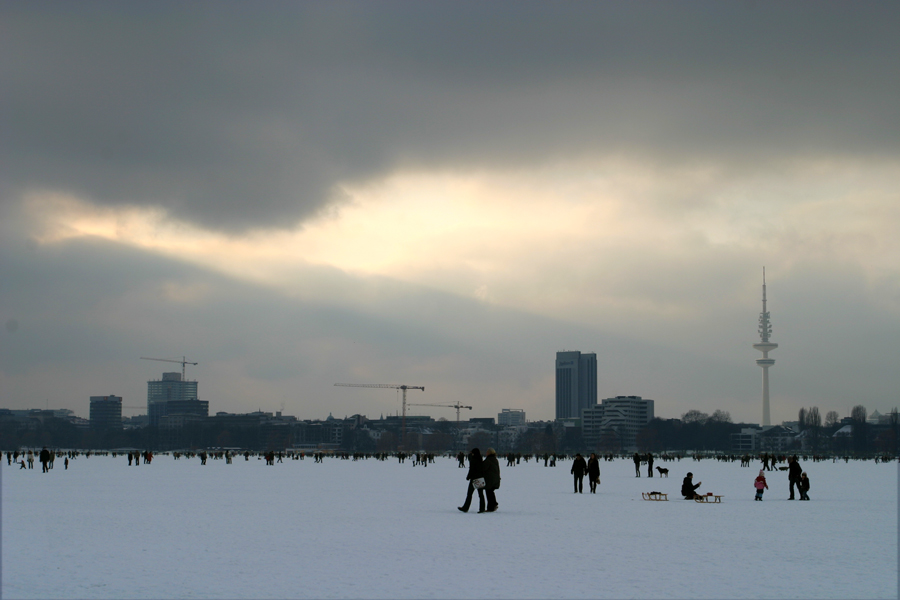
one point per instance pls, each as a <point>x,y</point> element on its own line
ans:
<point>765,346</point>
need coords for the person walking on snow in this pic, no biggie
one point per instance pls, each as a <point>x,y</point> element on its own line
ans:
<point>593,468</point>
<point>760,484</point>
<point>45,459</point>
<point>491,478</point>
<point>476,471</point>
<point>804,487</point>
<point>794,474</point>
<point>579,467</point>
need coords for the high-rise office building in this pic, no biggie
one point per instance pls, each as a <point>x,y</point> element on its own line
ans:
<point>576,383</point>
<point>170,388</point>
<point>106,412</point>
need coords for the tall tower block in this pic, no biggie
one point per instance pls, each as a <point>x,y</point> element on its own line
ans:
<point>765,346</point>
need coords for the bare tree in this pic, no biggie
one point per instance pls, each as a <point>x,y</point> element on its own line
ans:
<point>720,416</point>
<point>801,419</point>
<point>480,440</point>
<point>894,422</point>
<point>832,418</point>
<point>694,416</point>
<point>860,433</point>
<point>814,427</point>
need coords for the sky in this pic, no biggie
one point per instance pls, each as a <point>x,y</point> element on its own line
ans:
<point>444,195</point>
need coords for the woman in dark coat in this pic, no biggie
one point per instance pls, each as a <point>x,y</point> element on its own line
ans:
<point>491,478</point>
<point>476,470</point>
<point>593,467</point>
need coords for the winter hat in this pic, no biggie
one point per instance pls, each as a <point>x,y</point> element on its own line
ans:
<point>761,473</point>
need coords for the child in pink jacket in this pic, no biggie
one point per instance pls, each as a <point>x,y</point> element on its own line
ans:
<point>760,485</point>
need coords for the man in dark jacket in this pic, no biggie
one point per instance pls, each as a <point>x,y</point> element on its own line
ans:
<point>491,478</point>
<point>579,467</point>
<point>794,474</point>
<point>476,471</point>
<point>688,488</point>
<point>45,459</point>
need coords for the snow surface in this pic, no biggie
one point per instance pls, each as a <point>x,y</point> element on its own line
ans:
<point>370,529</point>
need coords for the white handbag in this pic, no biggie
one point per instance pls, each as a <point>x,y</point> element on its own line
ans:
<point>478,483</point>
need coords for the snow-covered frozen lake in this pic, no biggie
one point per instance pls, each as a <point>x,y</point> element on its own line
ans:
<point>370,529</point>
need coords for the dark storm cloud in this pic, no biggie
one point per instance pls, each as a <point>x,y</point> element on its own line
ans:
<point>240,115</point>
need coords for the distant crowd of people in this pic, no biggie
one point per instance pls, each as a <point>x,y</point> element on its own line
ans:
<point>483,473</point>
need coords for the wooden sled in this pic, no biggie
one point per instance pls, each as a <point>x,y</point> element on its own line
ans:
<point>655,496</point>
<point>708,499</point>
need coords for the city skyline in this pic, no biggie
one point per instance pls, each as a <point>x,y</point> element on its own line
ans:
<point>445,195</point>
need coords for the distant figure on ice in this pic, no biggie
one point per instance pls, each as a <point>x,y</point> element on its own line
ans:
<point>689,488</point>
<point>804,487</point>
<point>649,465</point>
<point>579,468</point>
<point>476,472</point>
<point>491,478</point>
<point>794,474</point>
<point>45,460</point>
<point>637,464</point>
<point>462,459</point>
<point>760,484</point>
<point>593,468</point>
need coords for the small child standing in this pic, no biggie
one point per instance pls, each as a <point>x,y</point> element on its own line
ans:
<point>804,487</point>
<point>760,485</point>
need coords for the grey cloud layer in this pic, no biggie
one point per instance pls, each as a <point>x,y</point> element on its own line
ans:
<point>87,309</point>
<point>235,116</point>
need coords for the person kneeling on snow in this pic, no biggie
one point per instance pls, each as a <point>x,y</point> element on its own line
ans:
<point>688,488</point>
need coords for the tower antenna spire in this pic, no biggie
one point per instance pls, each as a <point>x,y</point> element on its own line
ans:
<point>765,346</point>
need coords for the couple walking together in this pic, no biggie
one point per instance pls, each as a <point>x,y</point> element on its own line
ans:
<point>483,476</point>
<point>591,467</point>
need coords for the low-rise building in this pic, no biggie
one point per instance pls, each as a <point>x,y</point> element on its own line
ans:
<point>621,416</point>
<point>510,417</point>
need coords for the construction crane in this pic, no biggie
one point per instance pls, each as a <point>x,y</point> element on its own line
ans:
<point>391,386</point>
<point>182,362</point>
<point>457,406</point>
